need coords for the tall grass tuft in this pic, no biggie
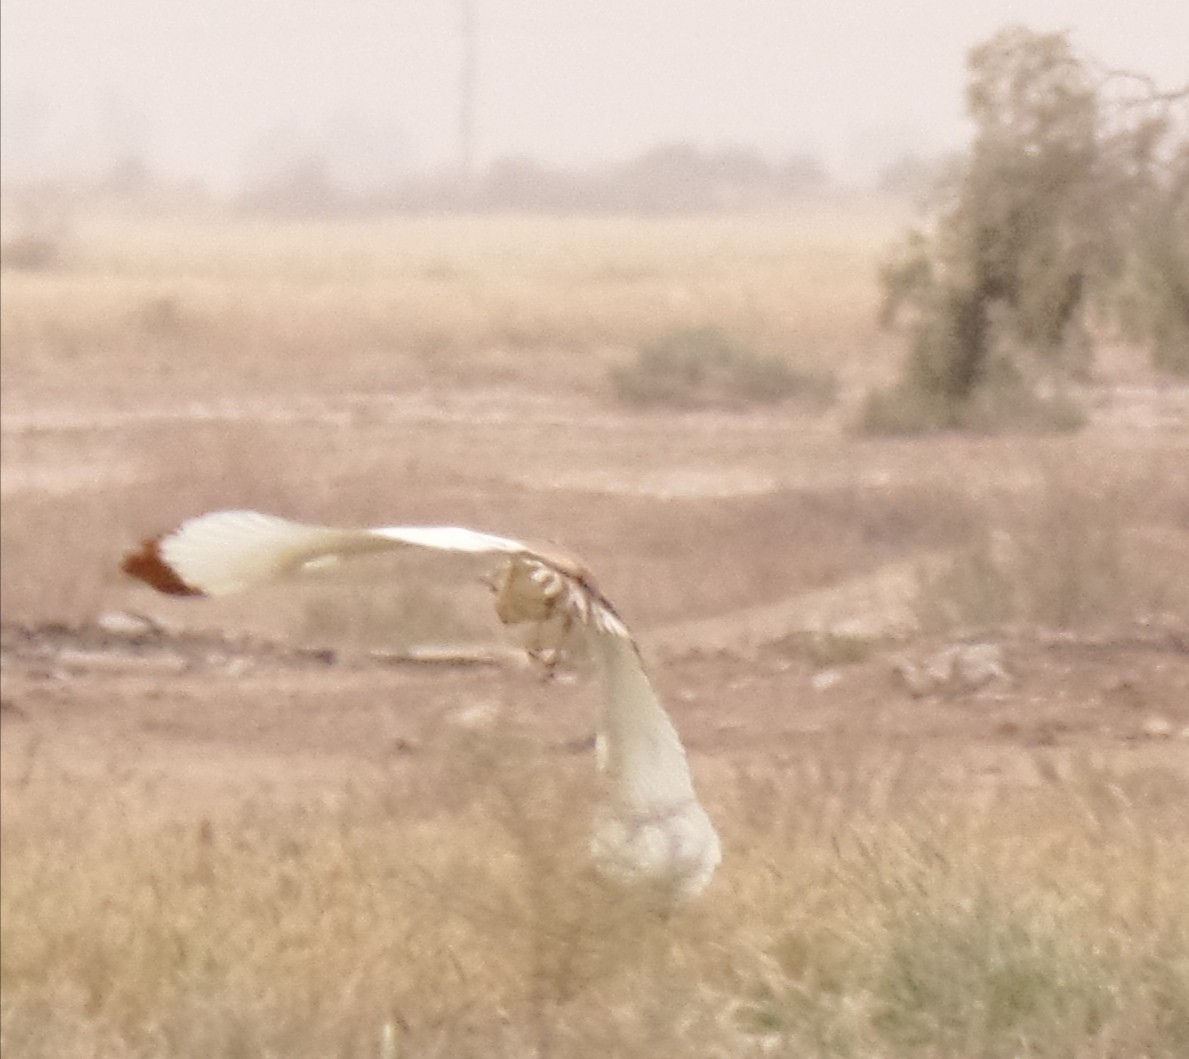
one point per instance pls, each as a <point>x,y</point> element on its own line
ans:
<point>1068,550</point>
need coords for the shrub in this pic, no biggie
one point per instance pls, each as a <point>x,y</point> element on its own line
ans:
<point>1005,400</point>
<point>42,231</point>
<point>32,252</point>
<point>705,367</point>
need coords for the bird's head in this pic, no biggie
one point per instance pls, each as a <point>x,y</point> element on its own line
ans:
<point>527,590</point>
<point>531,592</point>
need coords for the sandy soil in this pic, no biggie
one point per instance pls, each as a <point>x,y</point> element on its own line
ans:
<point>732,542</point>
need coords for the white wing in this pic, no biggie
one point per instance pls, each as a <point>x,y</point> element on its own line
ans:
<point>652,827</point>
<point>229,551</point>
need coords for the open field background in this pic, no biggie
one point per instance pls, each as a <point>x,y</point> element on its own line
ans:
<point>493,298</point>
<point>345,820</point>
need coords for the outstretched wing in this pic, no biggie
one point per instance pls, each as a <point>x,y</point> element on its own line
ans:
<point>229,551</point>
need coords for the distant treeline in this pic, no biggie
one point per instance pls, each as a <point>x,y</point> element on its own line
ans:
<point>671,178</point>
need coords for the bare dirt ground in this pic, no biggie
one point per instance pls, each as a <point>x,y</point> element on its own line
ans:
<point>766,561</point>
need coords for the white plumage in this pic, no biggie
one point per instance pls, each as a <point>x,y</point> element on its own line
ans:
<point>649,827</point>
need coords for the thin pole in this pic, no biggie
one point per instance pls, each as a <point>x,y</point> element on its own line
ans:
<point>466,95</point>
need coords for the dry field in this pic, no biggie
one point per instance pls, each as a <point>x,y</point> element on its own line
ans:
<point>345,820</point>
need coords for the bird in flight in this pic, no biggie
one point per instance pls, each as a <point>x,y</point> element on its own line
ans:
<point>649,828</point>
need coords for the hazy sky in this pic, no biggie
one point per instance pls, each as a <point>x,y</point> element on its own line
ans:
<point>198,85</point>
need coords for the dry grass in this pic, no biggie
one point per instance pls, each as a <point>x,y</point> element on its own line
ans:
<point>184,301</point>
<point>441,906</point>
<point>861,911</point>
<point>62,547</point>
<point>1069,547</point>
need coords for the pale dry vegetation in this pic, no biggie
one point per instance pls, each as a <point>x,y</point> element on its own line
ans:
<point>878,896</point>
<point>861,911</point>
<point>1069,547</point>
<point>182,302</point>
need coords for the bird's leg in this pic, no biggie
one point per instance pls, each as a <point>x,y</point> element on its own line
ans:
<point>546,643</point>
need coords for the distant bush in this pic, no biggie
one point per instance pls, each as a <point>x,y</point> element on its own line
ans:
<point>42,230</point>
<point>704,367</point>
<point>915,176</point>
<point>161,316</point>
<point>301,185</point>
<point>1004,401</point>
<point>32,252</point>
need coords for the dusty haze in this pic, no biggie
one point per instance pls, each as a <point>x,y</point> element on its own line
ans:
<point>201,90</point>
